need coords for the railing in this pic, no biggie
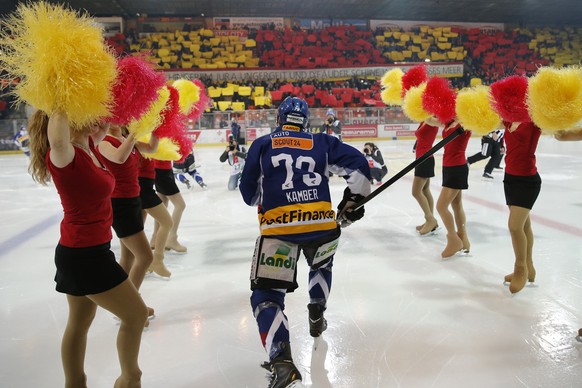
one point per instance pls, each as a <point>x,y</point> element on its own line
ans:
<point>268,117</point>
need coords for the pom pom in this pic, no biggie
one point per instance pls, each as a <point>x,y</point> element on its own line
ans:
<point>61,60</point>
<point>184,144</point>
<point>474,111</point>
<point>204,103</point>
<point>153,117</point>
<point>189,94</point>
<point>555,98</point>
<point>412,104</point>
<point>167,150</point>
<point>414,77</point>
<point>392,87</point>
<point>439,99</point>
<point>135,89</point>
<point>172,122</point>
<point>508,98</point>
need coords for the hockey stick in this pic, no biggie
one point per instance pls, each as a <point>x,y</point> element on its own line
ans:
<point>411,166</point>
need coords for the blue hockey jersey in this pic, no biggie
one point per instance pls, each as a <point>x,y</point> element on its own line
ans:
<point>287,176</point>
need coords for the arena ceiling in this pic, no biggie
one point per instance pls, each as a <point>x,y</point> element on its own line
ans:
<point>514,12</point>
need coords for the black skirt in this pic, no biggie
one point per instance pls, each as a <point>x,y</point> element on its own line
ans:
<point>522,191</point>
<point>165,182</point>
<point>87,271</point>
<point>127,216</point>
<point>425,169</point>
<point>456,177</point>
<point>147,194</point>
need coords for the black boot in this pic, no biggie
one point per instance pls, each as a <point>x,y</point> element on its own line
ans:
<point>283,372</point>
<point>317,323</point>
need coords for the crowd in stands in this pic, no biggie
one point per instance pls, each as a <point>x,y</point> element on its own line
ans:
<point>486,55</point>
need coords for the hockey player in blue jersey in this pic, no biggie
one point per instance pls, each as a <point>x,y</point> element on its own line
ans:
<point>22,140</point>
<point>188,166</point>
<point>286,176</point>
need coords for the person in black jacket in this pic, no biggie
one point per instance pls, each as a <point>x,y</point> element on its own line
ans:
<point>490,148</point>
<point>236,155</point>
<point>378,168</point>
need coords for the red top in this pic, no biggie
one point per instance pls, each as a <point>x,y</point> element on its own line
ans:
<point>520,149</point>
<point>425,135</point>
<point>163,164</point>
<point>146,168</point>
<point>85,192</point>
<point>126,183</point>
<point>454,154</point>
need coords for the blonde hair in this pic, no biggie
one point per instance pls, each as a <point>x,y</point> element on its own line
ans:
<point>39,146</point>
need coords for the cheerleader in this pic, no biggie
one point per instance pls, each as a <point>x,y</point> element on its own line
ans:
<point>152,205</point>
<point>522,185</point>
<point>87,271</point>
<point>455,180</point>
<point>425,137</point>
<point>120,155</point>
<point>168,191</point>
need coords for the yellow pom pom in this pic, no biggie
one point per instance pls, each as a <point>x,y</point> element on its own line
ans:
<point>189,94</point>
<point>474,110</point>
<point>412,104</point>
<point>152,118</point>
<point>554,98</point>
<point>61,60</point>
<point>392,87</point>
<point>167,150</point>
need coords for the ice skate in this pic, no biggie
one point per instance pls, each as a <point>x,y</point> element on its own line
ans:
<point>317,323</point>
<point>158,266</point>
<point>203,185</point>
<point>519,279</point>
<point>419,227</point>
<point>454,245</point>
<point>579,336</point>
<point>283,373</point>
<point>487,177</point>
<point>466,243</point>
<point>174,245</point>
<point>429,228</point>
<point>531,274</point>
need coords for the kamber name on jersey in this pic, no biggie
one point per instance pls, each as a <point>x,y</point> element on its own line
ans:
<point>301,195</point>
<point>298,218</point>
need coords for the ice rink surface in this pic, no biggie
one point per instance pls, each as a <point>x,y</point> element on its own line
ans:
<point>398,315</point>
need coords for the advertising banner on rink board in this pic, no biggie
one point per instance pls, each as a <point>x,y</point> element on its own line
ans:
<point>322,23</point>
<point>443,69</point>
<point>234,23</point>
<point>349,132</point>
<point>397,131</point>
<point>409,25</point>
<point>354,131</point>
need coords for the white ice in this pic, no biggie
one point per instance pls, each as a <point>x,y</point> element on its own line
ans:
<point>399,316</point>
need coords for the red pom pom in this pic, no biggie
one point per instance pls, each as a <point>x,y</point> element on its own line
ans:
<point>413,77</point>
<point>203,103</point>
<point>135,89</point>
<point>439,99</point>
<point>172,118</point>
<point>509,99</point>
